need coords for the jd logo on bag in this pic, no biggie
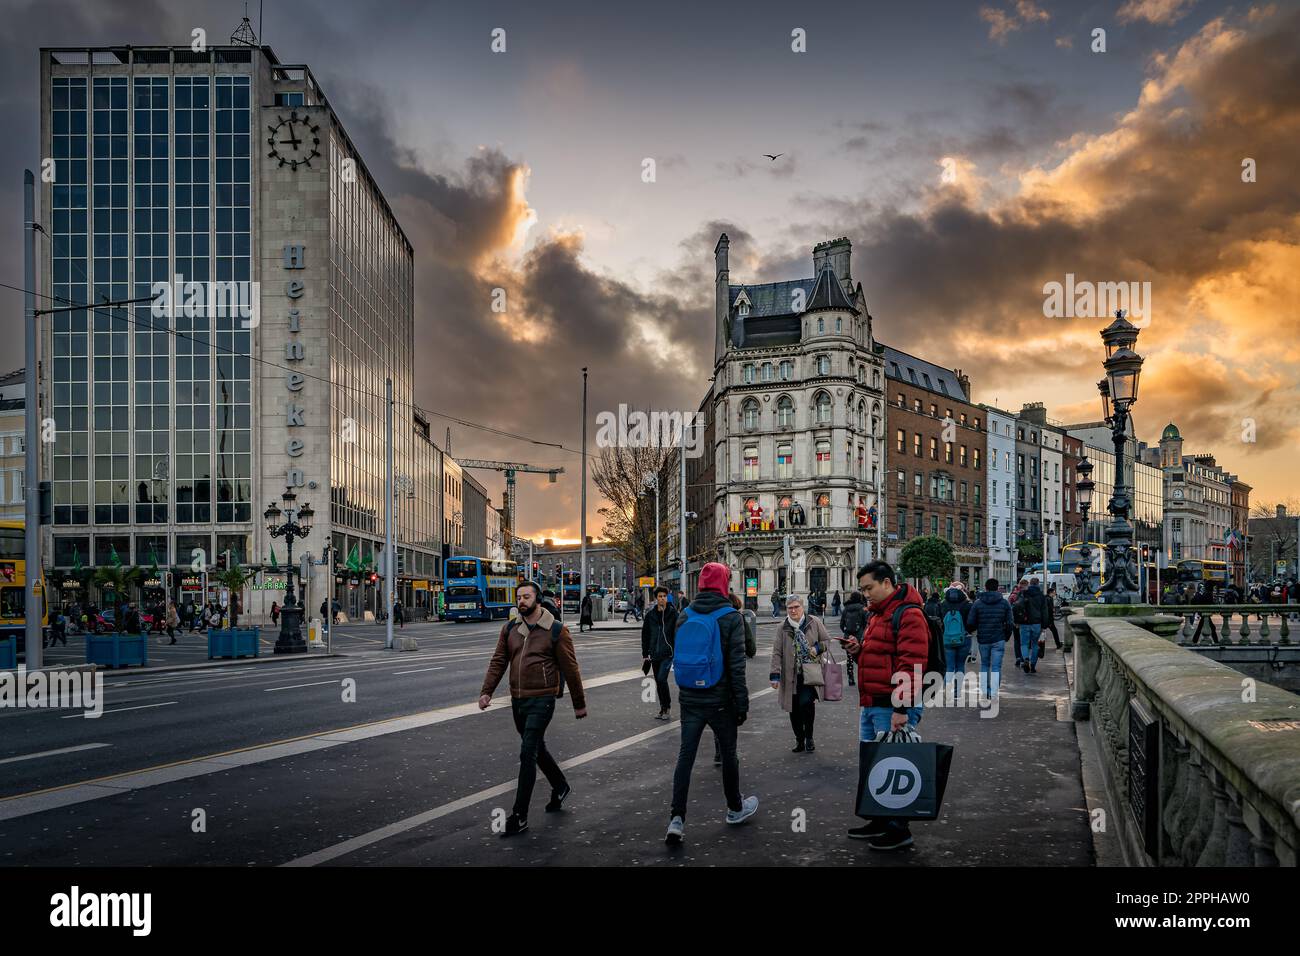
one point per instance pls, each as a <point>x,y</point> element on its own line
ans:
<point>902,779</point>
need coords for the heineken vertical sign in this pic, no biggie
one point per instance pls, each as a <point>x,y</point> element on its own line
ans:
<point>295,354</point>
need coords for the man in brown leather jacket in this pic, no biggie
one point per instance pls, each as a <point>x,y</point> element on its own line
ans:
<point>539,652</point>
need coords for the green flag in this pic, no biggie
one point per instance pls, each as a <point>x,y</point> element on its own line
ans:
<point>274,565</point>
<point>76,559</point>
<point>367,563</point>
<point>354,558</point>
<point>113,559</point>
<point>153,556</point>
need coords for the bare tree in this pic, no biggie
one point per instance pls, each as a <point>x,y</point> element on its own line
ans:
<point>1273,538</point>
<point>620,475</point>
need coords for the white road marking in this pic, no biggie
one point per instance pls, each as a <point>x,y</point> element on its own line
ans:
<point>410,823</point>
<point>51,753</point>
<point>25,804</point>
<point>122,710</point>
<point>422,670</point>
<point>319,683</point>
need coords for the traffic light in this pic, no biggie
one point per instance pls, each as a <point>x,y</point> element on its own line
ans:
<point>536,567</point>
<point>373,577</point>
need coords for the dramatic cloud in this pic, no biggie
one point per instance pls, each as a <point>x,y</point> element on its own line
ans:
<point>1003,22</point>
<point>1153,11</point>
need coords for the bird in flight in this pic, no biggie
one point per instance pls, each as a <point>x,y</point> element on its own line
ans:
<point>773,158</point>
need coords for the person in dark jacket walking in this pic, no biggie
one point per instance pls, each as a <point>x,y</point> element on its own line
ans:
<point>722,707</point>
<point>952,615</point>
<point>1050,623</point>
<point>853,623</point>
<point>657,646</point>
<point>991,620</point>
<point>933,603</point>
<point>1034,613</point>
<point>584,614</point>
<point>837,604</point>
<point>537,659</point>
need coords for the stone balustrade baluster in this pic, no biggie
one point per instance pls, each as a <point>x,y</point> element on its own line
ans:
<point>1216,842</point>
<point>1238,851</point>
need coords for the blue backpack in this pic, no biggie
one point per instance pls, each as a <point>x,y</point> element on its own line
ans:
<point>697,653</point>
<point>954,629</point>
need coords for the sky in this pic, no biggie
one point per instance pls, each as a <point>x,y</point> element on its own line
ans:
<point>972,152</point>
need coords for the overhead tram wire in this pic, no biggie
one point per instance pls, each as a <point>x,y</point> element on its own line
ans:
<point>111,310</point>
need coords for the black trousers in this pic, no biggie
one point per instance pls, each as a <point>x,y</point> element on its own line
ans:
<point>532,717</point>
<point>723,724</point>
<point>804,711</point>
<point>661,670</point>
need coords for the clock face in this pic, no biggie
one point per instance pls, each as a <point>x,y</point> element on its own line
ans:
<point>294,140</point>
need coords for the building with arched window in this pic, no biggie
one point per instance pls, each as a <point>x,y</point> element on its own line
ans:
<point>797,451</point>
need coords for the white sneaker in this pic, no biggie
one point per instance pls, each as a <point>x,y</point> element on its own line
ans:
<point>676,830</point>
<point>747,809</point>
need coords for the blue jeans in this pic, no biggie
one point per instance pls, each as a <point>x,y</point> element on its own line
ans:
<point>875,720</point>
<point>956,663</point>
<point>1029,643</point>
<point>991,667</point>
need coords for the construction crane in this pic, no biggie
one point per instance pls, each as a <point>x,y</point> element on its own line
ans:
<point>510,468</point>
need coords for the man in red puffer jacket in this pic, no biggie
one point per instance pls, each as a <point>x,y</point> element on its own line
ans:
<point>880,656</point>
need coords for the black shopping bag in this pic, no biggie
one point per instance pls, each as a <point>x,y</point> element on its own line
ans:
<point>904,780</point>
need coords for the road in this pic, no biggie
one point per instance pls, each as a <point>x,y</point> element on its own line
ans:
<point>272,763</point>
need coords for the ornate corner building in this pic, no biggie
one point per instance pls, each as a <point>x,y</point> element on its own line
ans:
<point>797,422</point>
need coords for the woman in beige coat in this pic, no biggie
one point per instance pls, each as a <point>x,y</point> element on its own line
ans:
<point>800,639</point>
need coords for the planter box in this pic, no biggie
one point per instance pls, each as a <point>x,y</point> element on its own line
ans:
<point>235,642</point>
<point>117,650</point>
<point>9,654</point>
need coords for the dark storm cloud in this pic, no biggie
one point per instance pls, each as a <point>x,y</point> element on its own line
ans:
<point>25,27</point>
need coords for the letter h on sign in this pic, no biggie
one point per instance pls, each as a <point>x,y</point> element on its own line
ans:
<point>295,257</point>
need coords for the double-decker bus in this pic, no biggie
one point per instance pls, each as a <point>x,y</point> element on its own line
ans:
<point>478,589</point>
<point>13,584</point>
<point>1195,570</point>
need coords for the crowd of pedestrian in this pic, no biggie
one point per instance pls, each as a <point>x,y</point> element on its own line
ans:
<point>888,632</point>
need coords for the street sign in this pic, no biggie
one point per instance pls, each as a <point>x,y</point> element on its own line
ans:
<point>645,582</point>
<point>225,597</point>
<point>1280,567</point>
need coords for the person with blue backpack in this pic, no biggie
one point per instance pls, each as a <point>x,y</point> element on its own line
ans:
<point>991,618</point>
<point>956,638</point>
<point>709,664</point>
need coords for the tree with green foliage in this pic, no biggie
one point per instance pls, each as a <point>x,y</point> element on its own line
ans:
<point>929,556</point>
<point>116,580</point>
<point>235,579</point>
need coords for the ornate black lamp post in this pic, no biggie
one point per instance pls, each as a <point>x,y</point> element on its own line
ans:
<point>1119,390</point>
<point>1083,490</point>
<point>296,524</point>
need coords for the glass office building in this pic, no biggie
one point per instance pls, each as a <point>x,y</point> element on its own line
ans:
<point>176,429</point>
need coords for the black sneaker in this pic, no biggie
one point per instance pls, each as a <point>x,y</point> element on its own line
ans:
<point>868,831</point>
<point>557,799</point>
<point>798,748</point>
<point>514,826</point>
<point>810,746</point>
<point>891,840</point>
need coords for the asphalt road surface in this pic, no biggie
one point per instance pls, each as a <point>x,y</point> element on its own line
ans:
<point>377,757</point>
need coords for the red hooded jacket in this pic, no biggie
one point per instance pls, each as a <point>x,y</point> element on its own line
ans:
<point>883,654</point>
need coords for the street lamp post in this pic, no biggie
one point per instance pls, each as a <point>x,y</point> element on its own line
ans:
<point>1119,390</point>
<point>296,523</point>
<point>1083,491</point>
